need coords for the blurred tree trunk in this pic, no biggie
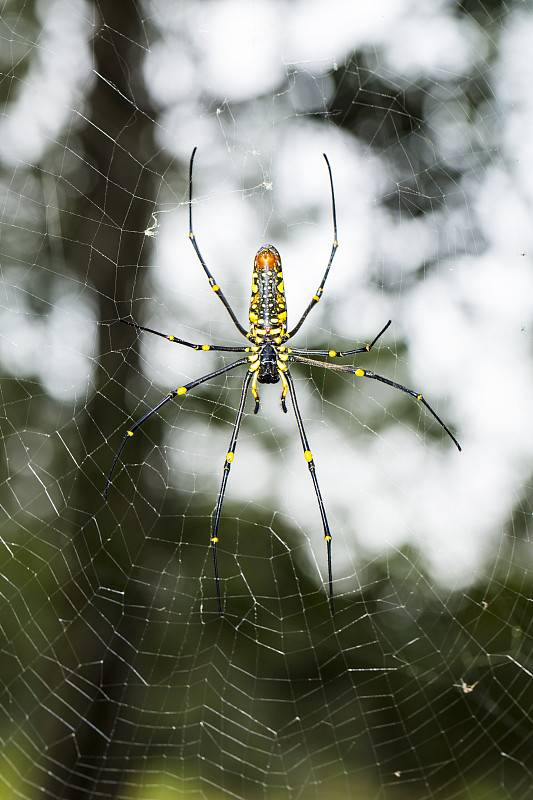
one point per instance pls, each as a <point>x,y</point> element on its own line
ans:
<point>115,188</point>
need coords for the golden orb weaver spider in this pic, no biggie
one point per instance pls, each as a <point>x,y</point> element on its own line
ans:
<point>268,358</point>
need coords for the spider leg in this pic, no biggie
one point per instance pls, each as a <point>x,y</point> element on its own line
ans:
<point>170,396</point>
<point>255,370</point>
<point>214,286</point>
<point>334,246</point>
<point>338,353</point>
<point>366,373</point>
<point>171,338</point>
<point>225,474</point>
<point>285,389</point>
<point>311,465</point>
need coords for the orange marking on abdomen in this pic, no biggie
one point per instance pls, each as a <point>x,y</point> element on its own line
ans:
<point>266,259</point>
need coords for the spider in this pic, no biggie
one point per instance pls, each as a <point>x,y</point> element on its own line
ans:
<point>466,687</point>
<point>267,359</point>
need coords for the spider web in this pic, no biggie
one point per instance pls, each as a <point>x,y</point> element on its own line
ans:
<point>120,680</point>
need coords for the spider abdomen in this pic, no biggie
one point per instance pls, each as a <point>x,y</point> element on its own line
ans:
<point>268,307</point>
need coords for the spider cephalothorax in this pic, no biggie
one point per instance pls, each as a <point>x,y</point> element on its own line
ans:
<point>268,359</point>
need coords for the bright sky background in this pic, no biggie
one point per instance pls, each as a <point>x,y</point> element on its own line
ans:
<point>467,325</point>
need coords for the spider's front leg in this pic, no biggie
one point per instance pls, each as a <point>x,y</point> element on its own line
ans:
<point>181,390</point>
<point>312,471</point>
<point>230,455</point>
<point>367,373</point>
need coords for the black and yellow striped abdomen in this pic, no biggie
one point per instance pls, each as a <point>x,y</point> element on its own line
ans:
<point>268,308</point>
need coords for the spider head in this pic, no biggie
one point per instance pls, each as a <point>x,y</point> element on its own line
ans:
<point>268,369</point>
